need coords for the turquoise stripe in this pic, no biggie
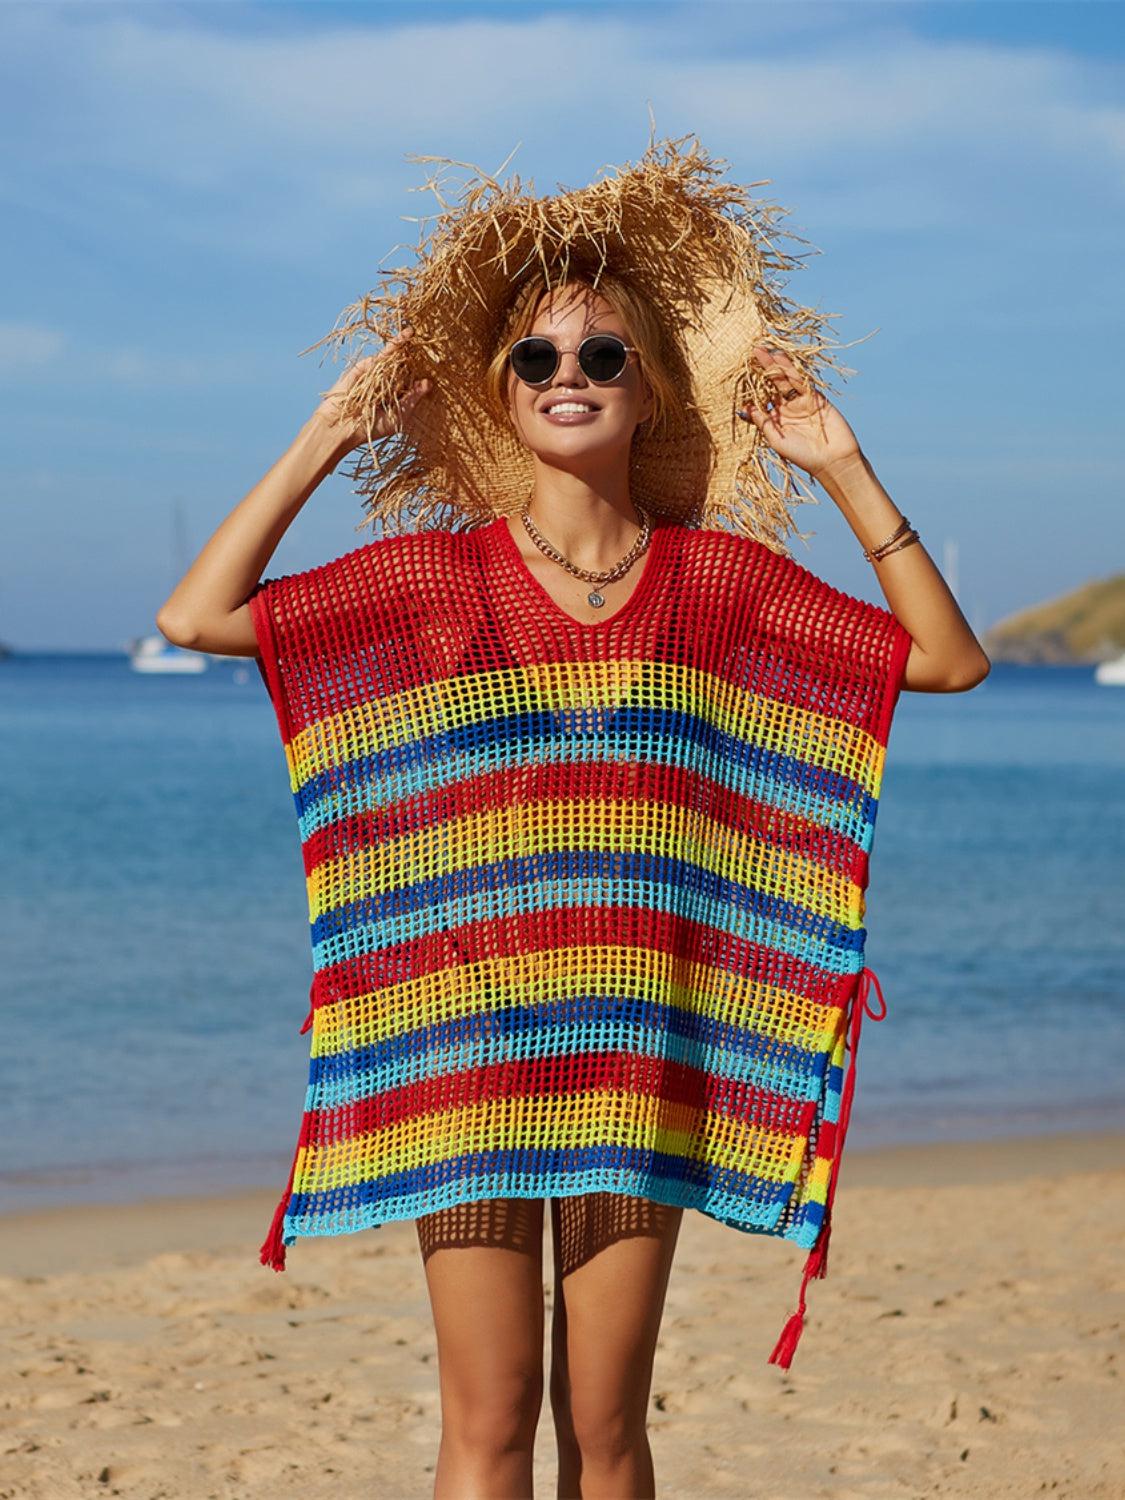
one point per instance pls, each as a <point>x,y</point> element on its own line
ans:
<point>358,1074</point>
<point>649,896</point>
<point>670,738</point>
<point>756,1209</point>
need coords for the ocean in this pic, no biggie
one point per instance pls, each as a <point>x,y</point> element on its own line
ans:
<point>155,925</point>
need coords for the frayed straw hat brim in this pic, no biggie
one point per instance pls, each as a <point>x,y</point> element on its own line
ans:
<point>703,252</point>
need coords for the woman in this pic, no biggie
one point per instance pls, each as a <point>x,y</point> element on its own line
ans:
<point>613,1251</point>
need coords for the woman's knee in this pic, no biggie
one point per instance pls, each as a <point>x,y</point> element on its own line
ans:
<point>497,1416</point>
<point>604,1430</point>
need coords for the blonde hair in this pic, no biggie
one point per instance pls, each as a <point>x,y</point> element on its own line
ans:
<point>644,328</point>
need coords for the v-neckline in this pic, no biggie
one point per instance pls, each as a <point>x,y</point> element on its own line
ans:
<point>533,589</point>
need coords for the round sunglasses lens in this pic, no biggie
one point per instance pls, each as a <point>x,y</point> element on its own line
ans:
<point>534,359</point>
<point>603,357</point>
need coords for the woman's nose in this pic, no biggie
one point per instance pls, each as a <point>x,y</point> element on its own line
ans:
<point>569,371</point>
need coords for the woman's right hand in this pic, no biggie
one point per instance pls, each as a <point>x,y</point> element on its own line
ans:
<point>389,419</point>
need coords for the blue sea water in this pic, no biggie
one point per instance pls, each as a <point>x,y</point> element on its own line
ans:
<point>157,961</point>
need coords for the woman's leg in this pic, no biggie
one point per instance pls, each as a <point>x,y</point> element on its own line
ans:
<point>613,1259</point>
<point>484,1271</point>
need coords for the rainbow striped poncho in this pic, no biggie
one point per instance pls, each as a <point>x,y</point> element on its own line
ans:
<point>586,900</point>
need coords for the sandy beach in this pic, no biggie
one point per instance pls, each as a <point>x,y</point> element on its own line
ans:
<point>967,1341</point>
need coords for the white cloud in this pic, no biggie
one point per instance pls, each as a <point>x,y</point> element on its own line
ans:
<point>276,140</point>
<point>28,350</point>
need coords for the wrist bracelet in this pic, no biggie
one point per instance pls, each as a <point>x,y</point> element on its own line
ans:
<point>907,541</point>
<point>873,552</point>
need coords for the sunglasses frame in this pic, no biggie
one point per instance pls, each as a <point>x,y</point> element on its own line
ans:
<point>628,348</point>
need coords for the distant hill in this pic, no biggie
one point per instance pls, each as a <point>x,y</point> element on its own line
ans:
<point>1086,625</point>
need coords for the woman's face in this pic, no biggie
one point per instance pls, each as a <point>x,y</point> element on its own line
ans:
<point>566,316</point>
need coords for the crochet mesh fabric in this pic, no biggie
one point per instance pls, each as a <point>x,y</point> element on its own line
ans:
<point>586,900</point>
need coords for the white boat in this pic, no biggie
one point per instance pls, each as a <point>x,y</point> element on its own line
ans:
<point>1111,673</point>
<point>152,653</point>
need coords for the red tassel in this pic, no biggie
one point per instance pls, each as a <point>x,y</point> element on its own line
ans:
<point>272,1252</point>
<point>786,1345</point>
<point>817,1263</point>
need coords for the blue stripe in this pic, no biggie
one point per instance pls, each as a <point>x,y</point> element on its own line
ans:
<point>567,878</point>
<point>650,734</point>
<point>483,1174</point>
<point>564,1028</point>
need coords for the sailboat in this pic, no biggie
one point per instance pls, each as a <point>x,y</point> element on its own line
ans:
<point>154,653</point>
<point>1111,673</point>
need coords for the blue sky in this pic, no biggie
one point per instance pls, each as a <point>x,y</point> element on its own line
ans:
<point>192,193</point>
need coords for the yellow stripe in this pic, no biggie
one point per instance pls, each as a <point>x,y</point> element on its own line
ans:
<point>772,1012</point>
<point>495,834</point>
<point>816,739</point>
<point>602,1118</point>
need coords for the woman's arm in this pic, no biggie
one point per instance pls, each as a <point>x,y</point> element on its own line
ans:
<point>806,429</point>
<point>207,610</point>
<point>946,656</point>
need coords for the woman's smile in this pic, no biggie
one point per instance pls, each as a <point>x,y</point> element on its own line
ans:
<point>569,411</point>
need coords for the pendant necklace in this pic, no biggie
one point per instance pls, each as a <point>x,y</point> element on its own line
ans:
<point>595,597</point>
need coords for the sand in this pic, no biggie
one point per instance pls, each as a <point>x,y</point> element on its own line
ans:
<point>967,1341</point>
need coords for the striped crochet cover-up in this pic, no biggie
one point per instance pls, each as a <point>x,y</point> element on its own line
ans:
<point>586,900</point>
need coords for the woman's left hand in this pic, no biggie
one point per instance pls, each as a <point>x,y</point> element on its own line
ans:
<point>801,426</point>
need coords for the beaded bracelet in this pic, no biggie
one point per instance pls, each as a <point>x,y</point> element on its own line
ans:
<point>885,548</point>
<point>907,541</point>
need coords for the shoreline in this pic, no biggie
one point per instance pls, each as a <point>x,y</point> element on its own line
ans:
<point>104,1179</point>
<point>58,1238</point>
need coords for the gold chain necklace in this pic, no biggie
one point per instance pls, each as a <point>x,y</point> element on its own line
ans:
<point>595,597</point>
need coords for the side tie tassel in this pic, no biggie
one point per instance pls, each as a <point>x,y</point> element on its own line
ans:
<point>817,1263</point>
<point>272,1252</point>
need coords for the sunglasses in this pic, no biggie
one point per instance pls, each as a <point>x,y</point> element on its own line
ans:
<point>601,357</point>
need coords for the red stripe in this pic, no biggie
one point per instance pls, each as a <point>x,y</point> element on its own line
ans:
<point>574,928</point>
<point>560,1077</point>
<point>564,781</point>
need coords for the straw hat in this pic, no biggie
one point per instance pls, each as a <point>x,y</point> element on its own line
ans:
<point>703,253</point>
